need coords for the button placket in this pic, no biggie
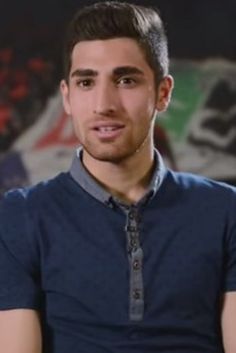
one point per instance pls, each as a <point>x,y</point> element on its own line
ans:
<point>135,255</point>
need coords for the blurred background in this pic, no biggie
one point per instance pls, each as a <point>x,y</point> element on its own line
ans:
<point>197,133</point>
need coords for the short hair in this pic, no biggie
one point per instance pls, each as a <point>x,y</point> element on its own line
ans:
<point>113,19</point>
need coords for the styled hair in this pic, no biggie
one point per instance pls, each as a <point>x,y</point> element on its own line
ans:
<point>113,19</point>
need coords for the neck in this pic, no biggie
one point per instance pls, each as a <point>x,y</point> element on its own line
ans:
<point>128,180</point>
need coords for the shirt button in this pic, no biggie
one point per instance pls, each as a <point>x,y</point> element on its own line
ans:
<point>131,215</point>
<point>131,229</point>
<point>133,244</point>
<point>136,294</point>
<point>136,265</point>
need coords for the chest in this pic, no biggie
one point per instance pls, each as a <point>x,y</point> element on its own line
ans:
<point>86,266</point>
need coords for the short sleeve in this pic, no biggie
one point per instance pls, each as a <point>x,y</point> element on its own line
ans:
<point>19,278</point>
<point>230,248</point>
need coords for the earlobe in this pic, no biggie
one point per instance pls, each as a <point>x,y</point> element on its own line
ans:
<point>65,96</point>
<point>164,93</point>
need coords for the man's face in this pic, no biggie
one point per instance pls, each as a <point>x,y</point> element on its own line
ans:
<point>112,98</point>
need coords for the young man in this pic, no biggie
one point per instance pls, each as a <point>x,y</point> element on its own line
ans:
<point>119,254</point>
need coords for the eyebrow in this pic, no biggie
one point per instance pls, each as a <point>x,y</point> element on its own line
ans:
<point>127,70</point>
<point>118,71</point>
<point>84,73</point>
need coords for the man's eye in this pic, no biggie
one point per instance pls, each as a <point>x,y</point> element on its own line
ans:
<point>85,83</point>
<point>126,81</point>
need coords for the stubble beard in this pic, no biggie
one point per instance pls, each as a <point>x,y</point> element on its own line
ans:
<point>111,153</point>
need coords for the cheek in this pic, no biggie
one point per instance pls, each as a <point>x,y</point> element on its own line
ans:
<point>144,109</point>
<point>142,101</point>
<point>79,115</point>
<point>77,106</point>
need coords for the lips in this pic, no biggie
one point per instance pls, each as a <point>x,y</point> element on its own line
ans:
<point>107,125</point>
<point>108,130</point>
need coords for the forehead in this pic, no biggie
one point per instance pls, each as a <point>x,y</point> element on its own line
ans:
<point>109,53</point>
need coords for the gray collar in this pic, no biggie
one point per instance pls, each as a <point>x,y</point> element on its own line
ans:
<point>81,175</point>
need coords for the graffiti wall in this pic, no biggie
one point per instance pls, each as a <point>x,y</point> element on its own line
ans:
<point>201,121</point>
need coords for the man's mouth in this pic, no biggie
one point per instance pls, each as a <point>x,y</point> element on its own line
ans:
<point>107,128</point>
<point>110,131</point>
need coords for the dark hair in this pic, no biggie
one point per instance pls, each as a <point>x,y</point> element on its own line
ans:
<point>112,19</point>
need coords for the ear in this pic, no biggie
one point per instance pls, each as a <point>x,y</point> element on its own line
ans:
<point>65,96</point>
<point>164,91</point>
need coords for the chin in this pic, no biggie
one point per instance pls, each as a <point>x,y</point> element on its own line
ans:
<point>109,156</point>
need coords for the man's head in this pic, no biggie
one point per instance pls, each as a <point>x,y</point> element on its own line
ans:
<point>116,80</point>
<point>108,20</point>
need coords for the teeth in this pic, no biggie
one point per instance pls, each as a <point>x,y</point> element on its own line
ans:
<point>107,128</point>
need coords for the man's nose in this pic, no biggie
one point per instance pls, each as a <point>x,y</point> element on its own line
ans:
<point>105,99</point>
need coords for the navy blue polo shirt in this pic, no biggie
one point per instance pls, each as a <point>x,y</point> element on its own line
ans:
<point>108,277</point>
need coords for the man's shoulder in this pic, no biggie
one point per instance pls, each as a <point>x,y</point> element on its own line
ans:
<point>199,187</point>
<point>21,210</point>
<point>197,196</point>
<point>31,195</point>
<point>193,181</point>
